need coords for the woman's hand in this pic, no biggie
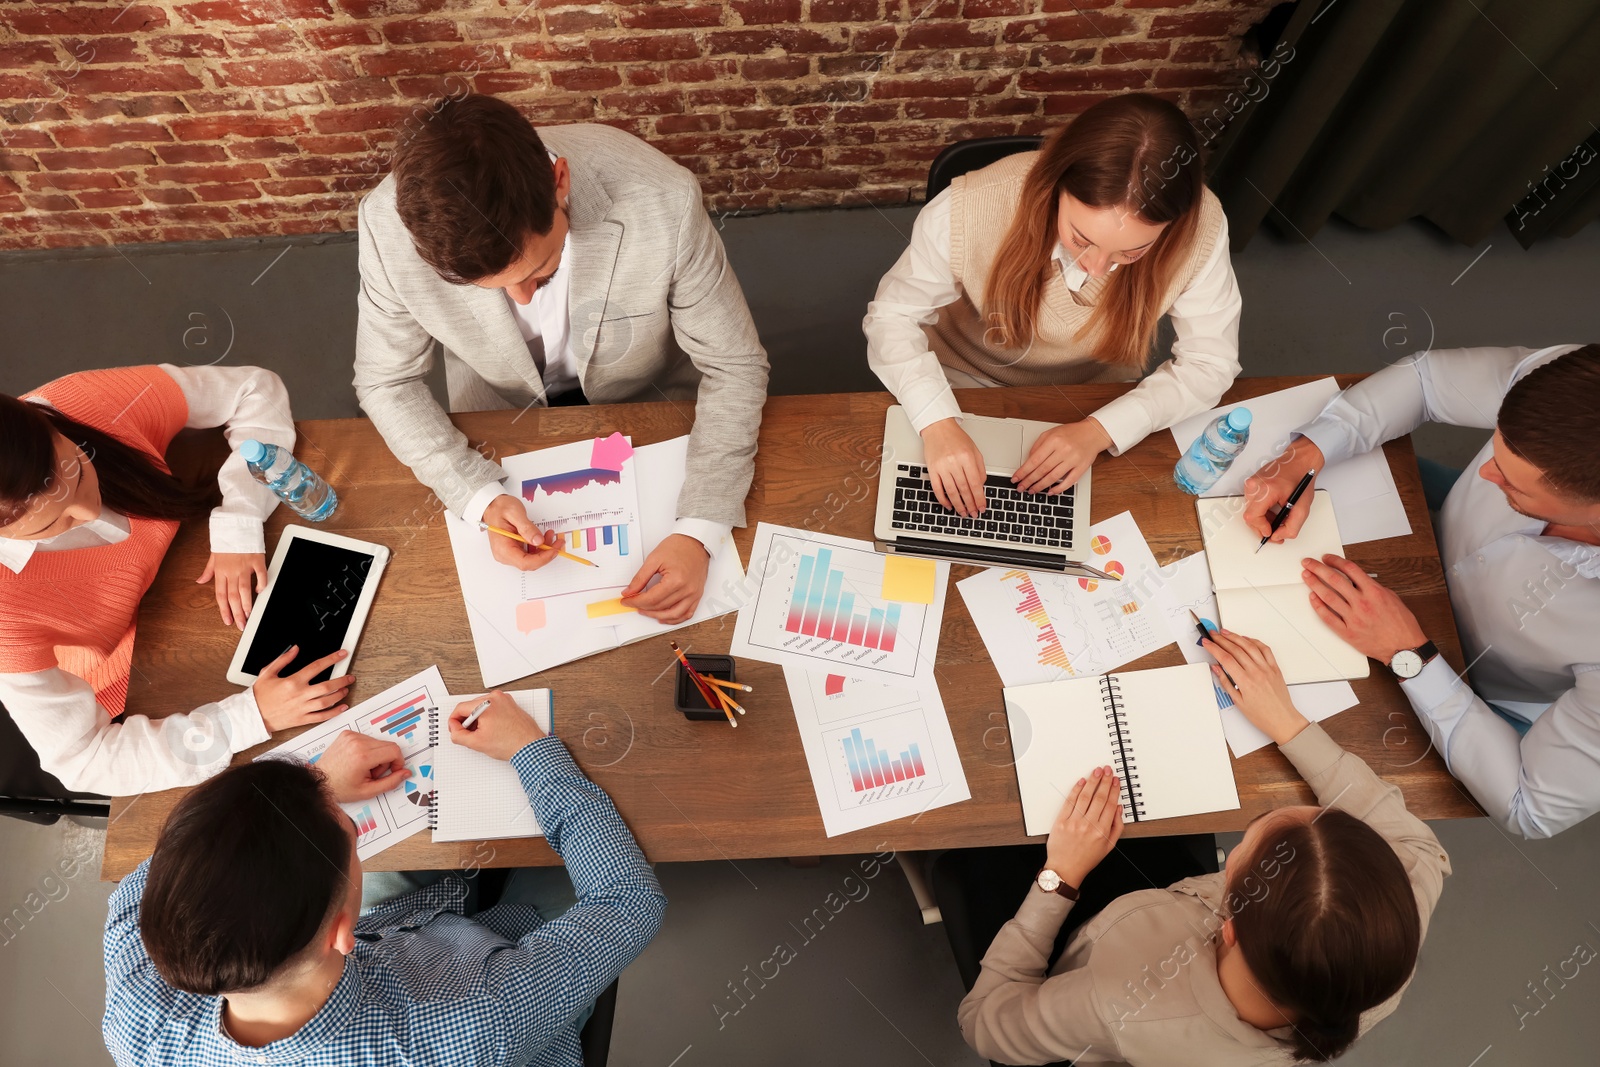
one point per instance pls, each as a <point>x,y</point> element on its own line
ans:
<point>1087,828</point>
<point>955,466</point>
<point>233,572</point>
<point>1061,456</point>
<point>1257,688</point>
<point>295,701</point>
<point>509,513</point>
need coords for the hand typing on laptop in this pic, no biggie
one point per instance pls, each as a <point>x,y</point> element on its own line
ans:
<point>1060,457</point>
<point>955,467</point>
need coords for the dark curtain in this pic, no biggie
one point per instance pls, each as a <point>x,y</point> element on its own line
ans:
<point>1462,112</point>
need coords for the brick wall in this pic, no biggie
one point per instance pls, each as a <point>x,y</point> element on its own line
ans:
<point>177,120</point>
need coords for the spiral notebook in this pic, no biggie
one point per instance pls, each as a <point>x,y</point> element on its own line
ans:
<point>477,797</point>
<point>1160,730</point>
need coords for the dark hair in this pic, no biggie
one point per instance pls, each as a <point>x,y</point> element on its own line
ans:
<point>246,871</point>
<point>1135,151</point>
<point>1335,932</point>
<point>472,183</point>
<point>130,481</point>
<point>1551,418</point>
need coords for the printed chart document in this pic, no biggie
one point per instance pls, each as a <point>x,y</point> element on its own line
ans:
<point>1261,594</point>
<point>611,503</point>
<point>1158,730</point>
<point>1363,490</point>
<point>876,752</point>
<point>1039,626</point>
<point>1188,588</point>
<point>834,604</point>
<point>480,798</point>
<point>398,714</point>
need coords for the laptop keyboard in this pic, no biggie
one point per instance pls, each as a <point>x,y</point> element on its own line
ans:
<point>1010,516</point>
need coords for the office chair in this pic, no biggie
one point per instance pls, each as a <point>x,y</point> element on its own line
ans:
<point>974,154</point>
<point>30,794</point>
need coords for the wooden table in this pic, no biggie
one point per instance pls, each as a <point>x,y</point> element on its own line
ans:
<point>698,790</point>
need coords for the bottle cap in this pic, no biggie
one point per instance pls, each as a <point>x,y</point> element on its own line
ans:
<point>253,451</point>
<point>1239,418</point>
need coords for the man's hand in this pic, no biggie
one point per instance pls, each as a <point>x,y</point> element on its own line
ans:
<point>682,563</point>
<point>502,731</point>
<point>1268,489</point>
<point>233,572</point>
<point>509,513</point>
<point>955,466</point>
<point>1257,686</point>
<point>1061,456</point>
<point>1087,828</point>
<point>358,767</point>
<point>295,700</point>
<point>1370,618</point>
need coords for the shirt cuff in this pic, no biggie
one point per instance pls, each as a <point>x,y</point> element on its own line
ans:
<point>479,502</point>
<point>242,719</point>
<point>710,534</point>
<point>1331,436</point>
<point>242,534</point>
<point>1312,751</point>
<point>1125,423</point>
<point>538,763</point>
<point>1436,684</point>
<point>924,413</point>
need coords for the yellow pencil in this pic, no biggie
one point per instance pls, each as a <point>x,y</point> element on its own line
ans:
<point>726,684</point>
<point>707,691</point>
<point>551,548</point>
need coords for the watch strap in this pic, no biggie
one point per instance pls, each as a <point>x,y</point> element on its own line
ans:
<point>1070,892</point>
<point>1427,650</point>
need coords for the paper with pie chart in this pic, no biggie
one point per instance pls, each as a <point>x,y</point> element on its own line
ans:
<point>398,714</point>
<point>876,752</point>
<point>1040,626</point>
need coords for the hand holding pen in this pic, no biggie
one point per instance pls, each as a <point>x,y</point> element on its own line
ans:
<point>1288,506</point>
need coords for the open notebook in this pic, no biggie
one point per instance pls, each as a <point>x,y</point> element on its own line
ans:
<point>1262,595</point>
<point>478,797</point>
<point>1158,729</point>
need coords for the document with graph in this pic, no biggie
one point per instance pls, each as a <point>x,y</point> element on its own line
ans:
<point>398,714</point>
<point>833,604</point>
<point>1040,626</point>
<point>876,752</point>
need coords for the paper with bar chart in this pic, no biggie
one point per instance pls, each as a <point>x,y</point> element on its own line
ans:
<point>834,604</point>
<point>876,752</point>
<point>1040,626</point>
<point>398,714</point>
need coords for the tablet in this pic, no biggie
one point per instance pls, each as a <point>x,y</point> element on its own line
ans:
<point>319,589</point>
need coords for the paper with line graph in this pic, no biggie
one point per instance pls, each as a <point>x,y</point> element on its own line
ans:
<point>1040,626</point>
<point>398,714</point>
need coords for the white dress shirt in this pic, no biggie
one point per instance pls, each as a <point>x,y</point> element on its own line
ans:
<point>1527,605</point>
<point>57,711</point>
<point>1205,354</point>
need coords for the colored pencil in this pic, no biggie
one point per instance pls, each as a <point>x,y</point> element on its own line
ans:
<point>535,544</point>
<point>713,697</point>
<point>727,684</point>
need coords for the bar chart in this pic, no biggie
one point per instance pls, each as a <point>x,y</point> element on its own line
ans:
<point>1049,652</point>
<point>821,606</point>
<point>882,759</point>
<point>592,538</point>
<point>403,721</point>
<point>365,823</point>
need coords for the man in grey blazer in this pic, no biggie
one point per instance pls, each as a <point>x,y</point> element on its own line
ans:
<point>569,266</point>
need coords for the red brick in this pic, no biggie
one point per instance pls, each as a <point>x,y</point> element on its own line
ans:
<point>186,45</point>
<point>754,119</point>
<point>148,78</point>
<point>552,51</point>
<point>1009,105</point>
<point>742,96</point>
<point>139,107</point>
<point>366,9</point>
<point>102,50</point>
<point>585,79</point>
<point>640,76</point>
<point>206,103</point>
<point>936,109</point>
<point>340,144</point>
<point>104,134</point>
<point>21,138</point>
<point>673,17</point>
<point>349,119</point>
<point>1205,51</point>
<point>261,149</point>
<point>1156,3</point>
<point>911,87</point>
<point>988,9</point>
<point>194,175</point>
<point>755,42</point>
<point>1068,28</point>
<point>359,90</point>
<point>1134,51</point>
<point>830,92</point>
<point>496,82</point>
<point>294,186</point>
<point>72,182</point>
<point>565,23</point>
<point>78,18</point>
<point>1083,79</point>
<point>457,59</point>
<point>848,65</point>
<point>311,166</point>
<point>51,203</point>
<point>12,205</point>
<point>1187,77</point>
<point>191,153</point>
<point>420,31</point>
<point>1196,24</point>
<point>26,53</point>
<point>704,70</point>
<point>775,69</point>
<point>95,160</point>
<point>1073,103</point>
<point>265,42</point>
<point>845,10</point>
<point>688,123</point>
<point>946,35</point>
<point>11,161</point>
<point>767,12</point>
<point>653,46</point>
<point>328,37</point>
<point>697,144</point>
<point>283,71</point>
<point>642,103</point>
<point>227,191</point>
<point>254,12</point>
<point>572,109</point>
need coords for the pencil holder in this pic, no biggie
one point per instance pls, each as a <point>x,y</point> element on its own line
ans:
<point>688,698</point>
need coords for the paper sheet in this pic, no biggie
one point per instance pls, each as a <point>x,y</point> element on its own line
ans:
<point>482,797</point>
<point>1188,587</point>
<point>816,602</point>
<point>398,714</point>
<point>1040,626</point>
<point>1364,494</point>
<point>876,753</point>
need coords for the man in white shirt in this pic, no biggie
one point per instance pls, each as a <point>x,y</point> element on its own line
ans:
<point>1520,542</point>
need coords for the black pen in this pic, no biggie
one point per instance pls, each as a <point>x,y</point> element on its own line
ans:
<point>1204,634</point>
<point>1283,512</point>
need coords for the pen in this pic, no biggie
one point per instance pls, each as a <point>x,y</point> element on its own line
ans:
<point>534,544</point>
<point>1283,512</point>
<point>1205,633</point>
<point>483,706</point>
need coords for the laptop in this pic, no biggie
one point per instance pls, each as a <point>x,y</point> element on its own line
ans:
<point>1031,531</point>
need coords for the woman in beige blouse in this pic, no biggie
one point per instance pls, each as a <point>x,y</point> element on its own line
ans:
<point>1054,267</point>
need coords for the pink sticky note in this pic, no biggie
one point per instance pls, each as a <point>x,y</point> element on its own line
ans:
<point>610,452</point>
<point>530,616</point>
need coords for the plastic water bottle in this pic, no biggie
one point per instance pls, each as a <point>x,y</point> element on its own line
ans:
<point>1213,452</point>
<point>295,483</point>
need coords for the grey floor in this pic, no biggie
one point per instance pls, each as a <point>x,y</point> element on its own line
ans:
<point>874,985</point>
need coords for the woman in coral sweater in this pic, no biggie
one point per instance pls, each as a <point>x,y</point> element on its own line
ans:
<point>88,508</point>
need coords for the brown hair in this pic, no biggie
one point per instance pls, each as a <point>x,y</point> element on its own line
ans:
<point>246,872</point>
<point>130,481</point>
<point>1551,418</point>
<point>1335,932</point>
<point>472,183</point>
<point>1134,151</point>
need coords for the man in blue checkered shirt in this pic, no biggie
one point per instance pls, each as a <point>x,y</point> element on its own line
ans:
<point>242,939</point>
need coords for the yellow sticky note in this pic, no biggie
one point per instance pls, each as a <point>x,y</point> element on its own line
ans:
<point>614,606</point>
<point>909,579</point>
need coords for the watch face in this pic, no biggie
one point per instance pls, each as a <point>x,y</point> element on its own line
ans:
<point>1049,880</point>
<point>1406,663</point>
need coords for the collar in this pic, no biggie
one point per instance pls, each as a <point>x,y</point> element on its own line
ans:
<point>109,529</point>
<point>1584,558</point>
<point>1075,276</point>
<point>304,1045</point>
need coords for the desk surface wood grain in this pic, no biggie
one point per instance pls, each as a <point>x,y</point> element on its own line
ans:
<point>699,790</point>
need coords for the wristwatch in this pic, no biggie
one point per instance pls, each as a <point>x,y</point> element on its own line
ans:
<point>1051,882</point>
<point>1408,662</point>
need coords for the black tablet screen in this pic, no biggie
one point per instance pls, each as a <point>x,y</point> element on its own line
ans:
<point>313,599</point>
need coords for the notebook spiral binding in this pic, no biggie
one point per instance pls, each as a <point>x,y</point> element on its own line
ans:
<point>433,739</point>
<point>1127,761</point>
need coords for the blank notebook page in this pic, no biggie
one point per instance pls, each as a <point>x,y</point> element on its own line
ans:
<point>478,797</point>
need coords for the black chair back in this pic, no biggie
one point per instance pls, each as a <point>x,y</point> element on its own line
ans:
<point>27,792</point>
<point>974,154</point>
<point>596,1035</point>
